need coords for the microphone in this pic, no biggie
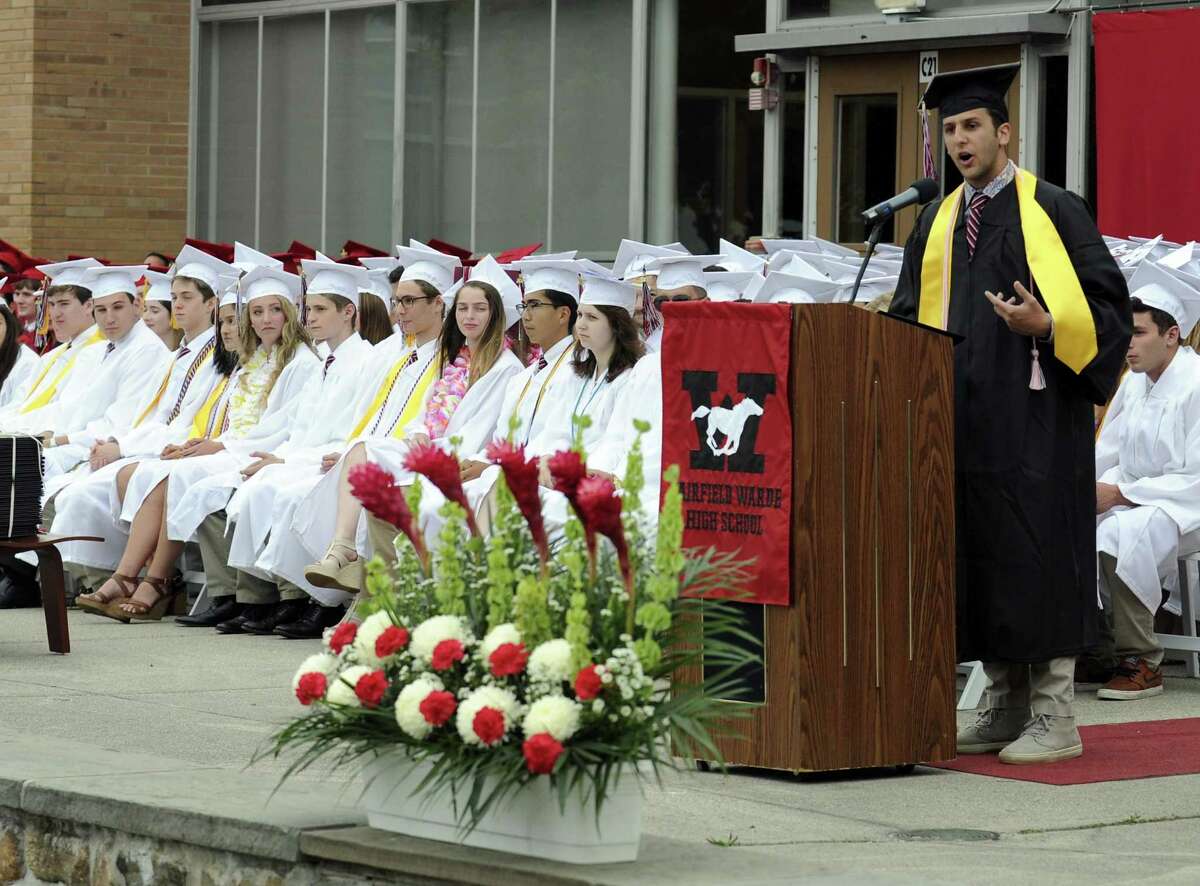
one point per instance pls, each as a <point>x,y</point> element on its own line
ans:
<point>918,192</point>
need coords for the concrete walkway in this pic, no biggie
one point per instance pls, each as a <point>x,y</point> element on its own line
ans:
<point>183,710</point>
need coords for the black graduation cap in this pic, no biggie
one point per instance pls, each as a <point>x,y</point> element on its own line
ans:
<point>957,91</point>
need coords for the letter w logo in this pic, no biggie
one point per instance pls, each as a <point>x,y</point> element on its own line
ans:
<point>727,433</point>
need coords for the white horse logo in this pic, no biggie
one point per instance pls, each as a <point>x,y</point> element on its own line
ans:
<point>729,422</point>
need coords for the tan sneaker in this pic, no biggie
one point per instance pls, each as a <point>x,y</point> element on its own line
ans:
<point>336,570</point>
<point>993,729</point>
<point>1045,739</point>
<point>1133,679</point>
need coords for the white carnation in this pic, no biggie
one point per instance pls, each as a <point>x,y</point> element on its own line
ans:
<point>554,714</point>
<point>429,633</point>
<point>485,697</point>
<point>368,632</point>
<point>321,663</point>
<point>341,689</point>
<point>408,707</point>
<point>550,662</point>
<point>497,637</point>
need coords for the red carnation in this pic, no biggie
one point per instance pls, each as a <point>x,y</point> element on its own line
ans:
<point>567,468</point>
<point>489,725</point>
<point>588,683</point>
<point>508,660</point>
<point>391,641</point>
<point>446,653</point>
<point>521,475</point>
<point>311,687</point>
<point>541,753</point>
<point>370,688</point>
<point>599,509</point>
<point>376,488</point>
<point>438,707</point>
<point>343,635</point>
<point>442,470</point>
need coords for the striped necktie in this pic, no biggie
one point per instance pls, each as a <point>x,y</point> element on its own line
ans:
<point>328,363</point>
<point>542,363</point>
<point>111,347</point>
<point>973,212</point>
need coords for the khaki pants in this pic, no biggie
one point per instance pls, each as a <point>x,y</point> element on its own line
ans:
<point>1132,623</point>
<point>222,580</point>
<point>1047,687</point>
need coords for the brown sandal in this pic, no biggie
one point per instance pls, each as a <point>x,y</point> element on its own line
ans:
<point>97,603</point>
<point>167,590</point>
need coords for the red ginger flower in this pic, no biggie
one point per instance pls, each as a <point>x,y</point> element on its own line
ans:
<point>521,475</point>
<point>567,468</point>
<point>599,509</point>
<point>446,653</point>
<point>370,688</point>
<point>489,725</point>
<point>541,753</point>
<point>438,707</point>
<point>343,635</point>
<point>588,683</point>
<point>443,471</point>
<point>376,488</point>
<point>391,641</point>
<point>311,687</point>
<point>508,659</point>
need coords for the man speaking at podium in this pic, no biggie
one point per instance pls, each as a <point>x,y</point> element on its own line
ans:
<point>1016,267</point>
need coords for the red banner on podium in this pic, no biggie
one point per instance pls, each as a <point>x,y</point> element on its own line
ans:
<point>727,424</point>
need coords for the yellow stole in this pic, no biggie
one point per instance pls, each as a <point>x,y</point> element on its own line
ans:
<point>205,357</point>
<point>201,424</point>
<point>415,398</point>
<point>37,399</point>
<point>1074,328</point>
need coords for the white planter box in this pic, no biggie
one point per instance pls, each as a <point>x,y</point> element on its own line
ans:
<point>528,822</point>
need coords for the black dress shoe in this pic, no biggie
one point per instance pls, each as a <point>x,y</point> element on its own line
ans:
<point>312,623</point>
<point>250,612</point>
<point>282,613</point>
<point>17,592</point>
<point>219,609</point>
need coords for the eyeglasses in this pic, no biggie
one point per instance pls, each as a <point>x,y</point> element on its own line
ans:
<point>407,301</point>
<point>530,305</point>
<point>660,299</point>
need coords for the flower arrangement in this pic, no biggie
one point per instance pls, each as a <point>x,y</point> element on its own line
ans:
<point>504,659</point>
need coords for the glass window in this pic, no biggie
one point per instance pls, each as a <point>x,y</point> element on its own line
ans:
<point>362,87</point>
<point>591,125</point>
<point>437,121</point>
<point>866,156</point>
<point>795,159</point>
<point>1054,120</point>
<point>293,84</point>
<point>513,118</point>
<point>225,138</point>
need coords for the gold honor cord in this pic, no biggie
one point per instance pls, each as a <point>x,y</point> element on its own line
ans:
<point>381,396</point>
<point>541,391</point>
<point>203,357</point>
<point>1074,328</point>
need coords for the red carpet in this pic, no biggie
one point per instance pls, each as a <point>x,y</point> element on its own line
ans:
<point>1113,752</point>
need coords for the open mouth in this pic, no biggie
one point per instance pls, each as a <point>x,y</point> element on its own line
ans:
<point>965,158</point>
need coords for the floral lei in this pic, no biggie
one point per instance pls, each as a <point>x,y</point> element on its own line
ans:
<point>448,392</point>
<point>250,396</point>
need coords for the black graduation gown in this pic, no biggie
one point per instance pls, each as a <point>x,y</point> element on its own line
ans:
<point>1024,459</point>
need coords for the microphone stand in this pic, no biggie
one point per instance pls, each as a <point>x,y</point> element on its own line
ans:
<point>872,242</point>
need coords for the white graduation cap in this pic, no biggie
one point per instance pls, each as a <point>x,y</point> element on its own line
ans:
<point>605,290</point>
<point>113,280</point>
<point>1117,245</point>
<point>836,250</point>
<point>1141,250</point>
<point>160,286</point>
<point>385,263</point>
<point>1160,287</point>
<point>3,280</point>
<point>676,271</point>
<point>869,288</point>
<point>335,278</point>
<point>228,286</point>
<point>423,263</point>
<point>1181,258</point>
<point>247,258</point>
<point>199,265</point>
<point>735,258</point>
<point>842,271</point>
<point>559,275</point>
<point>451,292</point>
<point>778,286</point>
<point>69,273</point>
<point>555,256</point>
<point>377,284</point>
<point>633,258</point>
<point>263,281</point>
<point>808,265</point>
<point>728,285</point>
<point>890,250</point>
<point>488,270</point>
<point>803,246</point>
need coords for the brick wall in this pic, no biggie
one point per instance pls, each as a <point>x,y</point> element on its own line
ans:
<point>16,120</point>
<point>108,101</point>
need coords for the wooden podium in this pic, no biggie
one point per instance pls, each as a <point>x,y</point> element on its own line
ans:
<point>860,668</point>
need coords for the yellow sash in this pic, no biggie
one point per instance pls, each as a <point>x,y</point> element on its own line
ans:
<point>416,401</point>
<point>1053,273</point>
<point>205,356</point>
<point>380,397</point>
<point>36,399</point>
<point>201,426</point>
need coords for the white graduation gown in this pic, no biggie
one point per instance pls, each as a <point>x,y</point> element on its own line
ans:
<point>19,377</point>
<point>69,368</point>
<point>1153,430</point>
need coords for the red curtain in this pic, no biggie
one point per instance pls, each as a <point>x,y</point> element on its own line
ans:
<point>1147,128</point>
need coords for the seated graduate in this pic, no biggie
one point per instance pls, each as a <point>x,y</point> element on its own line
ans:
<point>633,264</point>
<point>371,316</point>
<point>319,416</point>
<point>17,362</point>
<point>27,293</point>
<point>473,367</point>
<point>156,309</point>
<point>277,360</point>
<point>1148,470</point>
